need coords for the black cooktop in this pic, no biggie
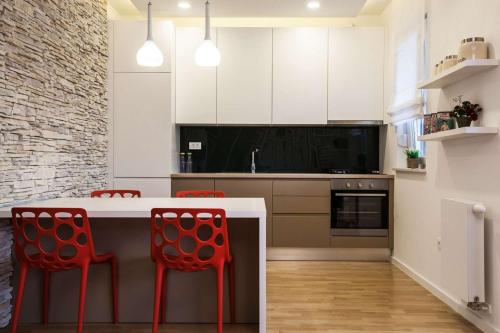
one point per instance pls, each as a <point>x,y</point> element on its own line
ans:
<point>352,171</point>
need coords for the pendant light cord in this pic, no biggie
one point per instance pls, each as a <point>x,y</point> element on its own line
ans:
<point>207,20</point>
<point>150,24</point>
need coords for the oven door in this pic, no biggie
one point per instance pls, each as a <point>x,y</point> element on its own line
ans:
<point>360,213</point>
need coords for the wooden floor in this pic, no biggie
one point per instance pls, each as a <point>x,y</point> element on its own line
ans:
<point>329,297</point>
<point>353,297</point>
<point>137,328</point>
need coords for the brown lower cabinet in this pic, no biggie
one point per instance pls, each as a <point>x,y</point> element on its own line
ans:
<point>301,205</point>
<point>251,188</point>
<point>301,230</point>
<point>191,184</point>
<point>298,210</point>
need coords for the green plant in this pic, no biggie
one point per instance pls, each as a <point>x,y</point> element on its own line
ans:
<point>465,109</point>
<point>410,153</point>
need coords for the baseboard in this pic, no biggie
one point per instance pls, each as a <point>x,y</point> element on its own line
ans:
<point>457,306</point>
<point>340,254</point>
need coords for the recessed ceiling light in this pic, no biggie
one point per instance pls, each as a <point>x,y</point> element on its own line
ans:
<point>313,5</point>
<point>184,5</point>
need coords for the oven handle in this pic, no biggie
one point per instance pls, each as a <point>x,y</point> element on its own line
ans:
<point>360,194</point>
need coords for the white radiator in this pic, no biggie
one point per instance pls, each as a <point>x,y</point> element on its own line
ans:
<point>462,250</point>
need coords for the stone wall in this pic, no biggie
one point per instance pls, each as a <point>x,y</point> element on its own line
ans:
<point>53,107</point>
<point>53,123</point>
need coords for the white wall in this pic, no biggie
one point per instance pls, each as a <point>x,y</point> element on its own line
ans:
<point>466,168</point>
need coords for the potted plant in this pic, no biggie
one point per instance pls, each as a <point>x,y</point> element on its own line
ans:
<point>465,112</point>
<point>412,158</point>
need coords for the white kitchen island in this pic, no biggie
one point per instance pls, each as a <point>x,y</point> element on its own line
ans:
<point>110,221</point>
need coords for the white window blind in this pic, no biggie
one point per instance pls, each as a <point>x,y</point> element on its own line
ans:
<point>407,103</point>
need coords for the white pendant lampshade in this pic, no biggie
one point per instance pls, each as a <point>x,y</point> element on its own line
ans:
<point>149,55</point>
<point>207,54</point>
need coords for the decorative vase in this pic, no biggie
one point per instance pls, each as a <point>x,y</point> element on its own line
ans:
<point>463,121</point>
<point>412,163</point>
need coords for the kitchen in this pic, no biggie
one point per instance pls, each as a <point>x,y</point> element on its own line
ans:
<point>312,124</point>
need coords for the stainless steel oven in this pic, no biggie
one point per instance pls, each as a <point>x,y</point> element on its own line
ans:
<point>360,207</point>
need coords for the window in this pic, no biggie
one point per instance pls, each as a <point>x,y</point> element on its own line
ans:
<point>410,66</point>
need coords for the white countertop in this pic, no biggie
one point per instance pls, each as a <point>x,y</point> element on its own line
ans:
<point>141,207</point>
<point>263,175</point>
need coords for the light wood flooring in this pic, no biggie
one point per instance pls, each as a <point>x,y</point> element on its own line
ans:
<point>346,297</point>
<point>329,297</point>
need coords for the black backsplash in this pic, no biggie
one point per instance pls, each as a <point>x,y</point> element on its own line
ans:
<point>283,149</point>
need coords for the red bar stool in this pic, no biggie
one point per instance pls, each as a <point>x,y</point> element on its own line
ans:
<point>55,240</point>
<point>112,193</point>
<point>209,248</point>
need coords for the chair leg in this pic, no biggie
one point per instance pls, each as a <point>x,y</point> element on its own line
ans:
<point>46,293</point>
<point>220,296</point>
<point>83,292</point>
<point>158,287</point>
<point>114,288</point>
<point>232,304</point>
<point>163,305</point>
<point>19,297</point>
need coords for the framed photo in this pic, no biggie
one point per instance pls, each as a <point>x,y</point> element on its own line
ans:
<point>427,124</point>
<point>434,123</point>
<point>444,121</point>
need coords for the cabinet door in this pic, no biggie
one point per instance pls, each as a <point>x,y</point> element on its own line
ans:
<point>356,74</point>
<point>244,77</point>
<point>150,188</point>
<point>129,36</point>
<point>195,86</point>
<point>300,66</point>
<point>191,184</point>
<point>142,125</point>
<point>250,188</point>
<point>301,231</point>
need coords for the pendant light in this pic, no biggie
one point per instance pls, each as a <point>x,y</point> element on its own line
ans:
<point>149,55</point>
<point>207,54</point>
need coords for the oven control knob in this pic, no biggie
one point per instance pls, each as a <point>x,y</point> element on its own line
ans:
<point>348,185</point>
<point>360,185</point>
<point>372,185</point>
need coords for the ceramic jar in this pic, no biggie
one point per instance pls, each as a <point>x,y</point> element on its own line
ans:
<point>473,48</point>
<point>450,61</point>
<point>440,66</point>
<point>436,69</point>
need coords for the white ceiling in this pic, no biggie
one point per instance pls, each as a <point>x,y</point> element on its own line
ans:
<point>374,7</point>
<point>256,8</point>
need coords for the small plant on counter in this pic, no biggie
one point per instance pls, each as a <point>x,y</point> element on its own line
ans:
<point>412,158</point>
<point>465,112</point>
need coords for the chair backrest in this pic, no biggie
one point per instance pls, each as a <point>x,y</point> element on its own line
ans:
<point>200,194</point>
<point>113,193</point>
<point>52,238</point>
<point>189,239</point>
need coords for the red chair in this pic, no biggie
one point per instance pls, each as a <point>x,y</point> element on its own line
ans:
<point>200,194</point>
<point>112,193</point>
<point>210,249</point>
<point>54,240</point>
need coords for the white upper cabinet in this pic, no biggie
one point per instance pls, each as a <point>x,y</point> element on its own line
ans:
<point>195,86</point>
<point>129,36</point>
<point>143,129</point>
<point>244,77</point>
<point>356,74</point>
<point>300,66</point>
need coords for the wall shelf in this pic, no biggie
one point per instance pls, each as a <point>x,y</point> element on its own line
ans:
<point>420,171</point>
<point>458,72</point>
<point>458,133</point>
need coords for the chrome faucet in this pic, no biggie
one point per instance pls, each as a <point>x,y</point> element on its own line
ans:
<point>253,159</point>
